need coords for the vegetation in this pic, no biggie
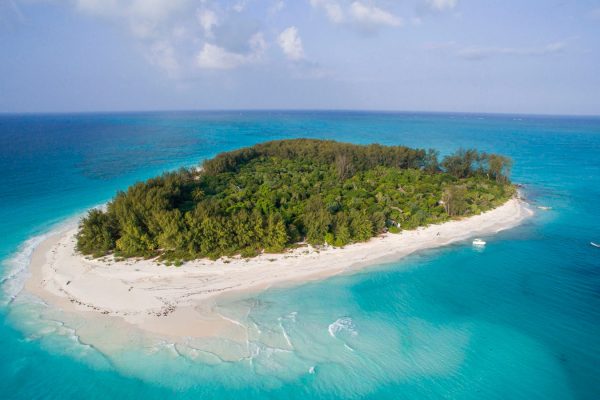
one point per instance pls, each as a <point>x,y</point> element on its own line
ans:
<point>274,195</point>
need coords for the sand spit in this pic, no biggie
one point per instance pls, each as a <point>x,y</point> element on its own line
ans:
<point>180,301</point>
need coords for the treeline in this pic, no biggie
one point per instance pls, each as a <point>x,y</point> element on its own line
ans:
<point>467,163</point>
<point>273,195</point>
<point>351,158</point>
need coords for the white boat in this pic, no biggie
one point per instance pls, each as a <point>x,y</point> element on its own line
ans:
<point>595,244</point>
<point>545,208</point>
<point>478,242</point>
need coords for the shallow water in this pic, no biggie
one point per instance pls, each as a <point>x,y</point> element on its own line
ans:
<point>518,319</point>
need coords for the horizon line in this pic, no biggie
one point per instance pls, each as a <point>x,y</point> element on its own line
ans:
<point>292,110</point>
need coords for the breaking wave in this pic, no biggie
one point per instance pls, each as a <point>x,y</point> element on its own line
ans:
<point>342,325</point>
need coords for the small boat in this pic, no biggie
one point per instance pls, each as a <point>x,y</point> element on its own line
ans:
<point>595,244</point>
<point>545,208</point>
<point>478,242</point>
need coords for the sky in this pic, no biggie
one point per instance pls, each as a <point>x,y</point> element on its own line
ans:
<point>510,56</point>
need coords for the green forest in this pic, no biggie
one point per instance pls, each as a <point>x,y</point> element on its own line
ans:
<point>279,194</point>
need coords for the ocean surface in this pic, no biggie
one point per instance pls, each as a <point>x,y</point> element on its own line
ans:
<point>518,320</point>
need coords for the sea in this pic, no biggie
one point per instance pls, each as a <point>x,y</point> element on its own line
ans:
<point>518,319</point>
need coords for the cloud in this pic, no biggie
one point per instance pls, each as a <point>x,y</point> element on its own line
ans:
<point>162,55</point>
<point>240,6</point>
<point>276,7</point>
<point>144,17</point>
<point>153,23</point>
<point>482,52</point>
<point>479,53</point>
<point>215,57</point>
<point>184,36</point>
<point>291,44</point>
<point>300,66</point>
<point>441,5</point>
<point>370,15</point>
<point>332,9</point>
<point>358,14</point>
<point>208,20</point>
<point>212,56</point>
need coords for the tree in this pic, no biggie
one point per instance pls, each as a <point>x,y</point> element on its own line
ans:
<point>172,235</point>
<point>431,163</point>
<point>454,199</point>
<point>343,166</point>
<point>499,167</point>
<point>134,241</point>
<point>460,164</point>
<point>97,234</point>
<point>360,226</point>
<point>257,223</point>
<point>242,230</point>
<point>198,194</point>
<point>276,237</point>
<point>341,231</point>
<point>316,219</point>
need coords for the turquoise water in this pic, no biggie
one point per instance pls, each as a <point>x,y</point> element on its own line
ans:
<point>519,320</point>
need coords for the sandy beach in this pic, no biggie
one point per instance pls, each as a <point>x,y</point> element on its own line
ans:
<point>179,301</point>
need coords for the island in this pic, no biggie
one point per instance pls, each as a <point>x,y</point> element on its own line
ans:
<point>272,196</point>
<point>161,254</point>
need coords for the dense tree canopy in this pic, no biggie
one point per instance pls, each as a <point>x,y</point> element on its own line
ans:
<point>273,195</point>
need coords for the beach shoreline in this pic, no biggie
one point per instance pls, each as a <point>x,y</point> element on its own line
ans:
<point>180,302</point>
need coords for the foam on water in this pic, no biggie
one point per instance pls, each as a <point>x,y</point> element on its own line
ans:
<point>285,335</point>
<point>16,270</point>
<point>343,324</point>
<point>16,266</point>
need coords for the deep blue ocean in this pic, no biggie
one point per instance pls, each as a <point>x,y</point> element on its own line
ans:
<point>518,320</point>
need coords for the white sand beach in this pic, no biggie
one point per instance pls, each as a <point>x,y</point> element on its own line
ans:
<point>179,301</point>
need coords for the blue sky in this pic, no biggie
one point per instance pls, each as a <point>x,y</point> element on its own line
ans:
<point>414,55</point>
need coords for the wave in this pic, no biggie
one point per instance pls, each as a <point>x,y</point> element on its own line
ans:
<point>15,272</point>
<point>16,269</point>
<point>29,311</point>
<point>292,316</point>
<point>16,266</point>
<point>285,335</point>
<point>343,324</point>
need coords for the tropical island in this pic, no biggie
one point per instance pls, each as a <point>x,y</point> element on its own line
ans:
<point>277,213</point>
<point>272,196</point>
